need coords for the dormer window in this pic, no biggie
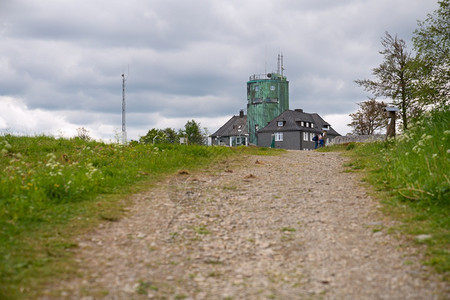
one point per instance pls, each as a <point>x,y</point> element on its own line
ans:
<point>280,123</point>
<point>302,123</point>
<point>307,124</point>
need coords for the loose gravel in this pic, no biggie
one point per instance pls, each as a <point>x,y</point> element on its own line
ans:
<point>295,226</point>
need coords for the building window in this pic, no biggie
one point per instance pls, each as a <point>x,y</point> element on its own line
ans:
<point>280,123</point>
<point>272,88</point>
<point>256,127</point>
<point>278,136</point>
<point>307,124</point>
<point>312,125</point>
<point>257,100</point>
<point>302,123</point>
<point>256,88</point>
<point>305,136</point>
<point>311,136</point>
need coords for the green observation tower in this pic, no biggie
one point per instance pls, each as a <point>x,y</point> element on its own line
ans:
<point>267,98</point>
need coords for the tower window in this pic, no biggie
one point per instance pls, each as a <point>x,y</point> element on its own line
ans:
<point>272,88</point>
<point>280,123</point>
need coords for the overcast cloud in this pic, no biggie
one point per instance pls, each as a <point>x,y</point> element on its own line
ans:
<point>61,61</point>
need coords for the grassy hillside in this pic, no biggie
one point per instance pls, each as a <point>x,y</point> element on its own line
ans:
<point>54,189</point>
<point>411,174</point>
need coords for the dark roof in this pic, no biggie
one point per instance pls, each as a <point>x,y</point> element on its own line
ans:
<point>237,125</point>
<point>292,122</point>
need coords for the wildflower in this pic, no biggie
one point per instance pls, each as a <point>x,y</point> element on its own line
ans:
<point>434,155</point>
<point>447,132</point>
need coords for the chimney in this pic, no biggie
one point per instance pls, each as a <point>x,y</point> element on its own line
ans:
<point>299,110</point>
<point>241,113</point>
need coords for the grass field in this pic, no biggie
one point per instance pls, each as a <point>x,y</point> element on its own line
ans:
<point>411,176</point>
<point>52,190</point>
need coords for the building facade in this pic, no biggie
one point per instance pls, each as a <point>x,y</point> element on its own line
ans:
<point>232,133</point>
<point>295,129</point>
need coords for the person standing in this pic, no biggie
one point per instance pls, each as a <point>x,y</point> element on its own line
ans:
<point>321,141</point>
<point>316,141</point>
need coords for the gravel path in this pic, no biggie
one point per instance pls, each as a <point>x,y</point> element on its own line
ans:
<point>294,226</point>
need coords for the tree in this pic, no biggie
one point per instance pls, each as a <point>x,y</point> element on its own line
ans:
<point>394,77</point>
<point>149,137</point>
<point>369,118</point>
<point>193,133</point>
<point>159,136</point>
<point>171,135</point>
<point>432,44</point>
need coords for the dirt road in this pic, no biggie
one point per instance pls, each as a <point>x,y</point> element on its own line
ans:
<point>294,226</point>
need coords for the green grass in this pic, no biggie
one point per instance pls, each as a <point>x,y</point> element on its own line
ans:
<point>411,175</point>
<point>52,190</point>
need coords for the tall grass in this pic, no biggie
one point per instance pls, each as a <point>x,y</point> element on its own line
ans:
<point>416,164</point>
<point>49,187</point>
<point>413,171</point>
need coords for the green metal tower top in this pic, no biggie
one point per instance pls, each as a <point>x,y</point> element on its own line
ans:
<point>267,98</point>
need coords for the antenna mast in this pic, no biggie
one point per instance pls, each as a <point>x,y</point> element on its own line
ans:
<point>278,64</point>
<point>124,130</point>
<point>282,68</point>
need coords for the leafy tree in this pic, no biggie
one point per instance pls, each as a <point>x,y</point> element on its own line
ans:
<point>171,135</point>
<point>432,43</point>
<point>193,133</point>
<point>369,118</point>
<point>148,138</point>
<point>394,77</point>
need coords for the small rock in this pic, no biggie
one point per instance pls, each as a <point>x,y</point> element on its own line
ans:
<point>423,237</point>
<point>376,223</point>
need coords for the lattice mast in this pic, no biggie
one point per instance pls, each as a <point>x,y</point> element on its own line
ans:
<point>124,129</point>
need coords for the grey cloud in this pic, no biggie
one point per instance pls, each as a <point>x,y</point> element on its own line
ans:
<point>190,59</point>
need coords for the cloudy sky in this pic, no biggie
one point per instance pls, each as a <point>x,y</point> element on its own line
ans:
<point>61,61</point>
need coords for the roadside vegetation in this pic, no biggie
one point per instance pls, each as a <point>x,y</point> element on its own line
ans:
<point>411,176</point>
<point>53,189</point>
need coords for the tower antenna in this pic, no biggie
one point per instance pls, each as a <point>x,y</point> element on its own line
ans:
<point>278,64</point>
<point>124,130</point>
<point>282,68</point>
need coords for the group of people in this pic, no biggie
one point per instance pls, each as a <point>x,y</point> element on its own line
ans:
<point>319,140</point>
